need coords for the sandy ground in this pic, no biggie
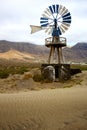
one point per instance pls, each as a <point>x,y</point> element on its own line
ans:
<point>47,109</point>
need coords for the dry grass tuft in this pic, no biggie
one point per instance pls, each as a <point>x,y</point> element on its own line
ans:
<point>27,75</point>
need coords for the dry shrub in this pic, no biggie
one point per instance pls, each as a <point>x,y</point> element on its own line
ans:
<point>27,75</point>
<point>38,78</point>
<point>35,71</point>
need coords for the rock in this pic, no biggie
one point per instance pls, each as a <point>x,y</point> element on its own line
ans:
<point>49,73</point>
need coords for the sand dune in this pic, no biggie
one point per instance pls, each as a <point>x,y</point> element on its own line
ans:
<point>57,109</point>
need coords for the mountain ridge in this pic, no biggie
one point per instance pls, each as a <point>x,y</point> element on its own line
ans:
<point>76,53</point>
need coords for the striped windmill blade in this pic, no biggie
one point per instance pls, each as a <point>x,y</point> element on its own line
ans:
<point>57,9</point>
<point>52,10</point>
<point>67,18</point>
<point>44,22</point>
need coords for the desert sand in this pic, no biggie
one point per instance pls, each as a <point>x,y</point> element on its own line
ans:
<point>46,109</point>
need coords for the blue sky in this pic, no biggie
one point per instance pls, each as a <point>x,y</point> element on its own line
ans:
<point>16,16</point>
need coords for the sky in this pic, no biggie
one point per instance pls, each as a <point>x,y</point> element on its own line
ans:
<point>16,16</point>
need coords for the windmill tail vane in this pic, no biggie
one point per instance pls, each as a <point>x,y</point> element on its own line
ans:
<point>35,28</point>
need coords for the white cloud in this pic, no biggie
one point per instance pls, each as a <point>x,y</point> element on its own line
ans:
<point>17,15</point>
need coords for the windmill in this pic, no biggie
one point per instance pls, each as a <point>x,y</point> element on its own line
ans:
<point>55,20</point>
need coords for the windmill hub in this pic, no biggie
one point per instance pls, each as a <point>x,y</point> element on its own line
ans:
<point>55,22</point>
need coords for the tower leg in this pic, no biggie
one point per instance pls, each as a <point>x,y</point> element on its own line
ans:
<point>58,51</point>
<point>61,55</point>
<point>50,55</point>
<point>52,50</point>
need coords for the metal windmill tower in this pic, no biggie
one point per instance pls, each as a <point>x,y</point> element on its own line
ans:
<point>55,20</point>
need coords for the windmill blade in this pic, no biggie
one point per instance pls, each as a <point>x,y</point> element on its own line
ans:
<point>67,21</point>
<point>43,21</point>
<point>67,18</point>
<point>50,7</point>
<point>62,29</point>
<point>48,12</point>
<point>60,8</point>
<point>44,24</point>
<point>57,9</point>
<point>48,30</point>
<point>51,10</point>
<point>54,8</point>
<point>35,28</point>
<point>59,31</point>
<point>65,26</point>
<point>45,15</point>
<point>42,18</point>
<point>66,15</point>
<point>64,12</point>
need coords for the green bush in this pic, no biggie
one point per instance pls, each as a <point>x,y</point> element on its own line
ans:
<point>16,68</point>
<point>4,74</point>
<point>81,67</point>
<point>21,70</point>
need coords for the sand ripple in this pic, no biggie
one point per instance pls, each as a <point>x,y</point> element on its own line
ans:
<point>58,109</point>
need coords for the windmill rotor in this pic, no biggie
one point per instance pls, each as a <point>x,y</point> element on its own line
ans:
<point>56,13</point>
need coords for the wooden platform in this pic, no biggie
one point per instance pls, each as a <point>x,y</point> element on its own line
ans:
<point>61,42</point>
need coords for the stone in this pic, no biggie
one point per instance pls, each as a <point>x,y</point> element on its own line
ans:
<point>49,73</point>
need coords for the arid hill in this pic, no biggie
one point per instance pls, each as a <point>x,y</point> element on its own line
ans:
<point>14,54</point>
<point>77,53</point>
